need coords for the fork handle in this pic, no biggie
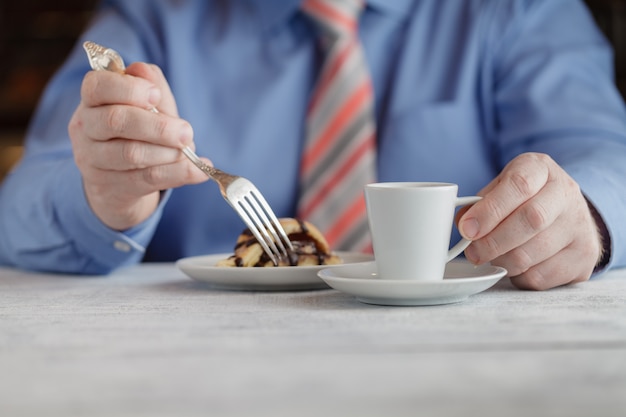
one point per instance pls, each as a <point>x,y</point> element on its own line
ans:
<point>207,169</point>
<point>222,178</point>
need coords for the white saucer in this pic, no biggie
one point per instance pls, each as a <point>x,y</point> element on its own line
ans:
<point>461,280</point>
<point>280,278</point>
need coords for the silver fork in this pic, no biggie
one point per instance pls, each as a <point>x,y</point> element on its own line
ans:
<point>239,192</point>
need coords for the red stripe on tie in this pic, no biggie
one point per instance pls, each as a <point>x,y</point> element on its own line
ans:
<point>329,75</point>
<point>350,216</point>
<point>331,14</point>
<point>324,140</point>
<point>363,149</point>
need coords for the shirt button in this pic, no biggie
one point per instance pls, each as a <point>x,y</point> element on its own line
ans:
<point>121,246</point>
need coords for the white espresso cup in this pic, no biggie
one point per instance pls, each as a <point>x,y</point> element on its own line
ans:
<point>411,226</point>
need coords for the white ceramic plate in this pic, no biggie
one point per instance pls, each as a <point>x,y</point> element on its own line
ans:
<point>461,280</point>
<point>280,278</point>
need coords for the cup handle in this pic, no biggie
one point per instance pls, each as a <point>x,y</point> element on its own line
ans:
<point>463,243</point>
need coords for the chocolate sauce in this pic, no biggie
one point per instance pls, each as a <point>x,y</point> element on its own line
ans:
<point>303,245</point>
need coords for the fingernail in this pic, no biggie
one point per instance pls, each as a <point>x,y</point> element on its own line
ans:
<point>154,96</point>
<point>470,228</point>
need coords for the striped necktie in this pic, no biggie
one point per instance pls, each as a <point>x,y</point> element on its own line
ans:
<point>340,146</point>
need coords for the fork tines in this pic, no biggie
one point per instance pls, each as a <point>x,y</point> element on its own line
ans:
<point>265,226</point>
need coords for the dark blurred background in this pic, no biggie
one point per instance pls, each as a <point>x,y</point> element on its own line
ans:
<point>36,35</point>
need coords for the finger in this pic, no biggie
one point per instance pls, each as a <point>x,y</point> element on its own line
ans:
<point>535,251</point>
<point>152,73</point>
<point>140,182</point>
<point>561,269</point>
<point>104,87</point>
<point>523,224</point>
<point>119,121</point>
<point>518,182</point>
<point>166,176</point>
<point>128,155</point>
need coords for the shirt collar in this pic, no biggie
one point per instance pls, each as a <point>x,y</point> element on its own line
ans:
<point>276,12</point>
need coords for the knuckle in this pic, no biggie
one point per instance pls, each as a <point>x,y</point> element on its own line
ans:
<point>153,176</point>
<point>493,207</point>
<point>75,126</point>
<point>136,93</point>
<point>489,247</point>
<point>116,119</point>
<point>518,262</point>
<point>156,69</point>
<point>520,183</point>
<point>133,153</point>
<point>535,215</point>
<point>160,126</point>
<point>532,279</point>
<point>537,159</point>
<point>542,158</point>
<point>571,186</point>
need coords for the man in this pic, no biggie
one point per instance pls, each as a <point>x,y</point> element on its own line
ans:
<point>510,99</point>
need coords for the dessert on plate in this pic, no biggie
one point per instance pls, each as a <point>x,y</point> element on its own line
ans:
<point>310,248</point>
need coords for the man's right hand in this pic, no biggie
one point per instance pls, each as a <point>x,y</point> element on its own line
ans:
<point>126,153</point>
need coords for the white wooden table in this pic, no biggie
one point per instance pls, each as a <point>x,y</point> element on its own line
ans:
<point>148,341</point>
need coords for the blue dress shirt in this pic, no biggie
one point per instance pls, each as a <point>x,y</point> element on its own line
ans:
<point>462,87</point>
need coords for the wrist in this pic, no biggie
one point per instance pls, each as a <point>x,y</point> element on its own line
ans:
<point>123,215</point>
